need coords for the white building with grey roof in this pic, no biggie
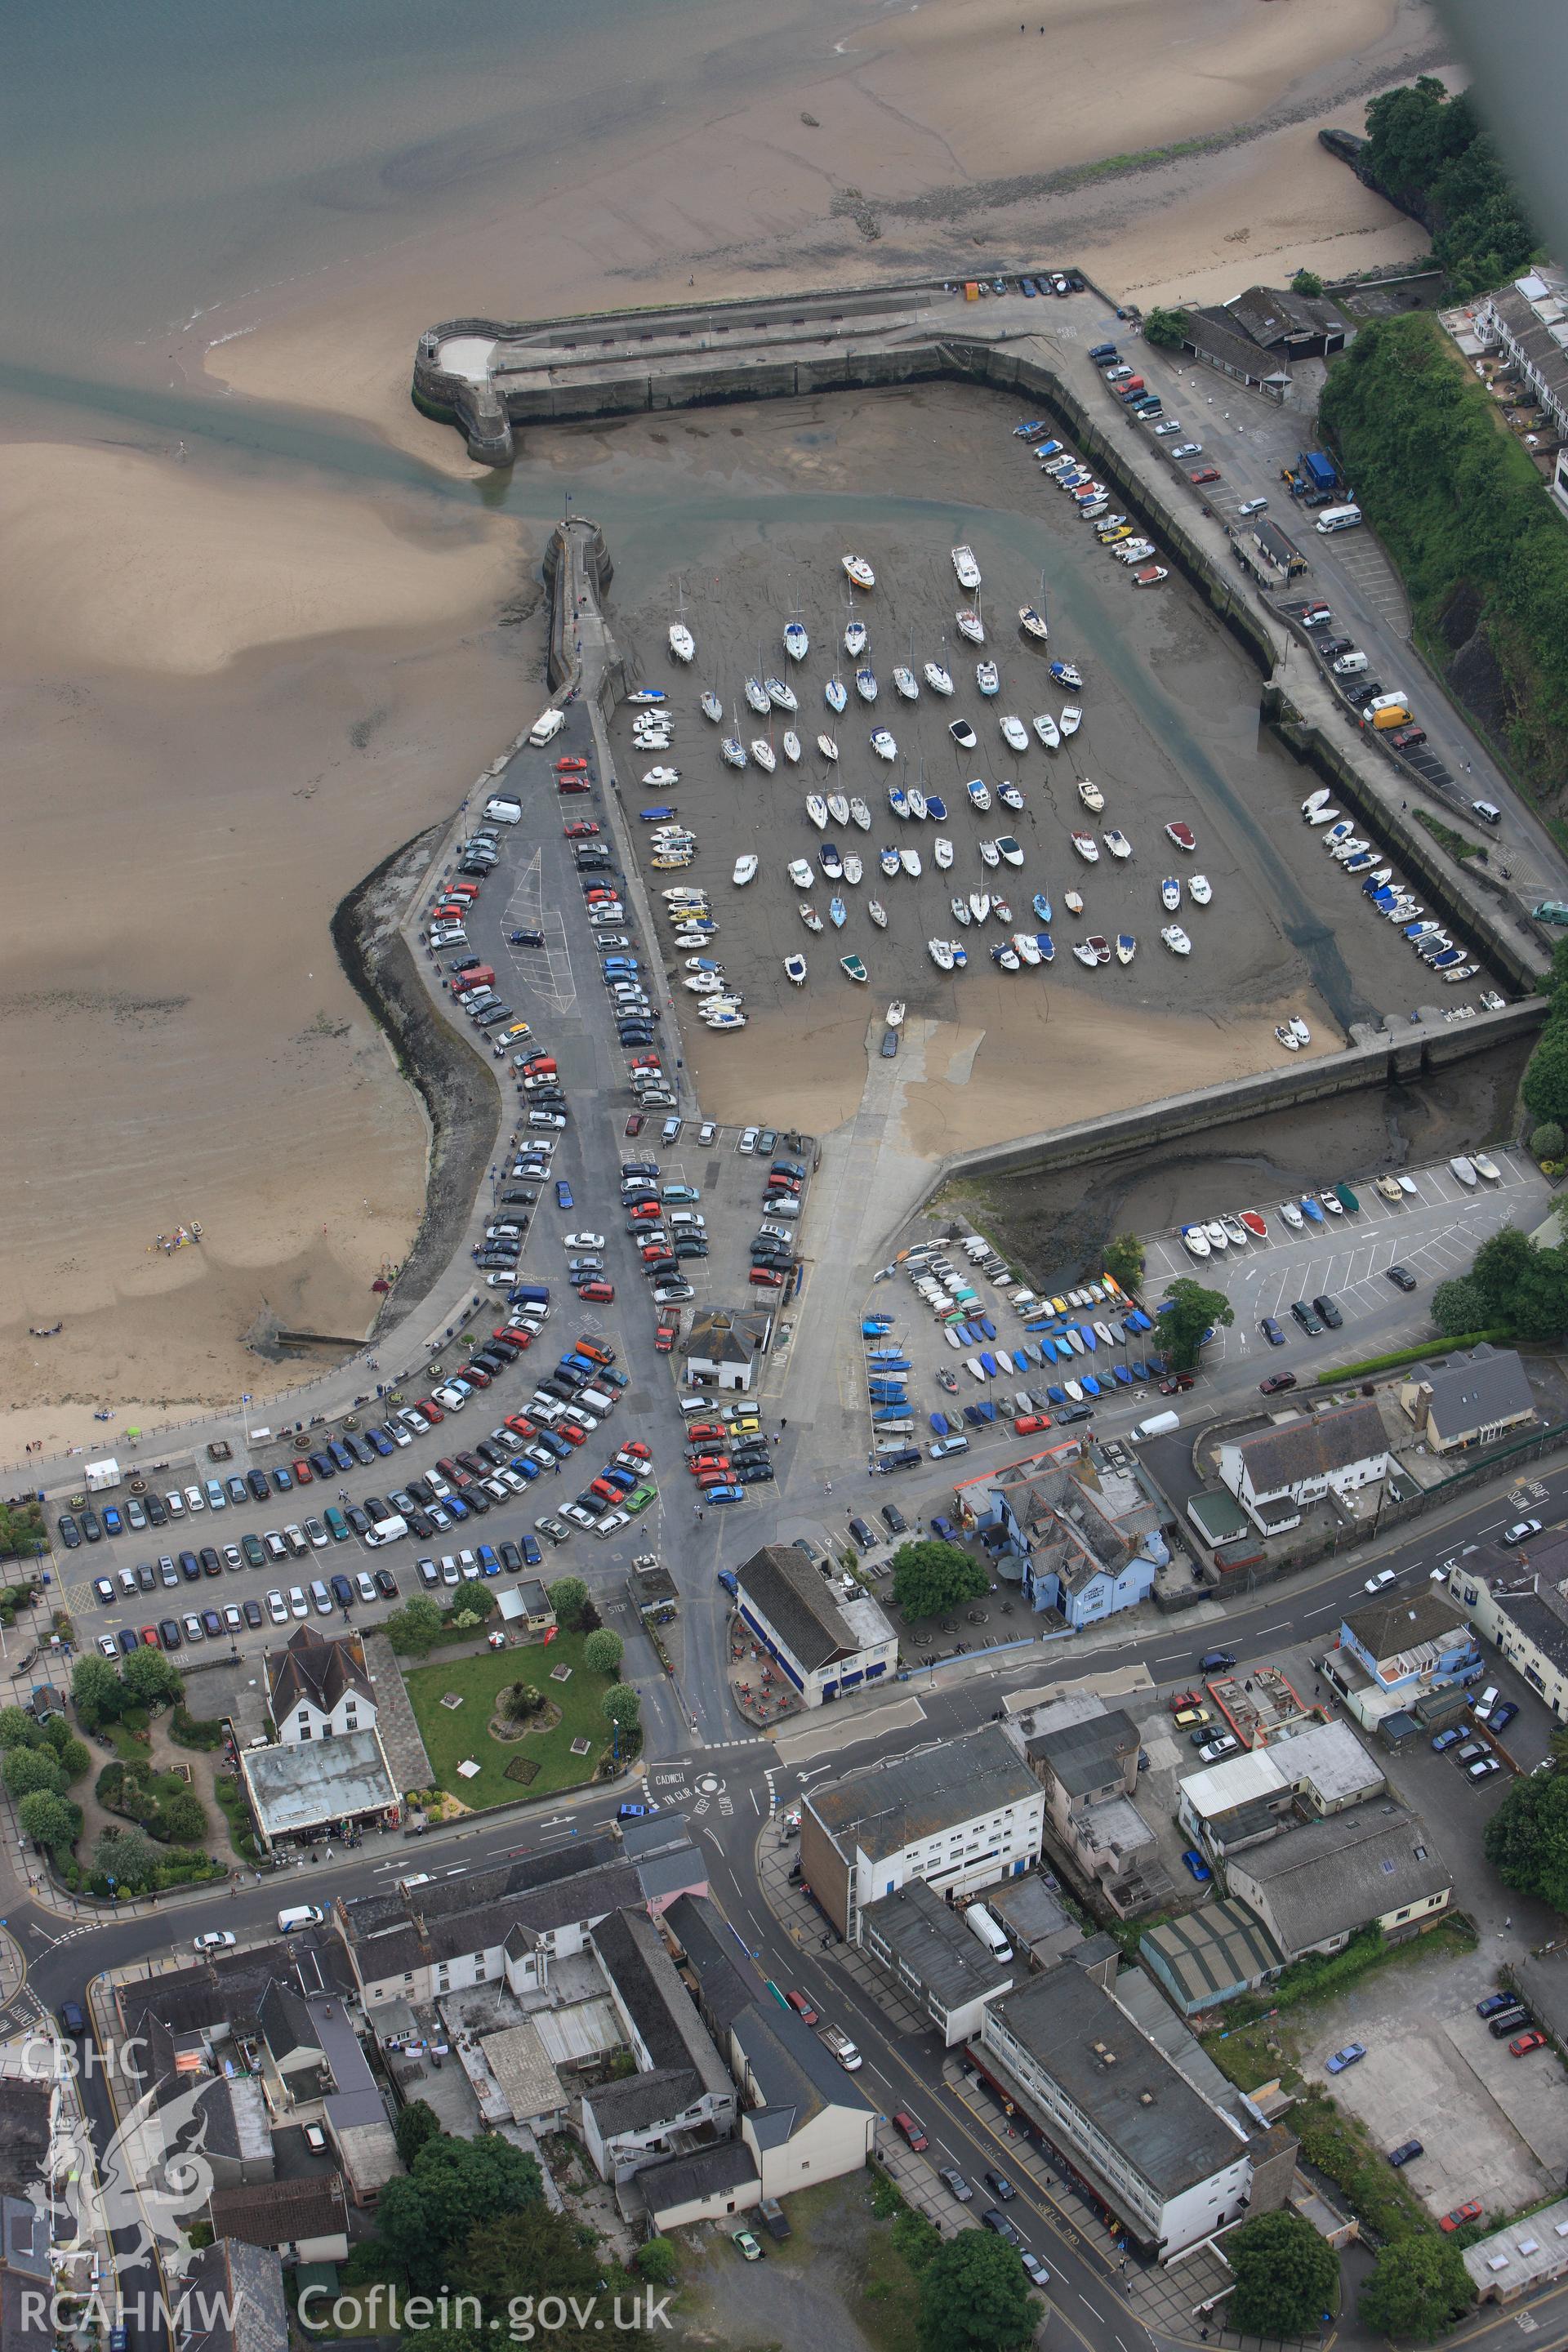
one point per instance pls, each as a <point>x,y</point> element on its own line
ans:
<point>824,1646</point>
<point>1279,1472</point>
<point>1315,1886</point>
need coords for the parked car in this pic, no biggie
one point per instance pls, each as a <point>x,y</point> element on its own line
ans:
<point>1351,2055</point>
<point>1470,2211</point>
<point>1198,1866</point>
<point>1406,2153</point>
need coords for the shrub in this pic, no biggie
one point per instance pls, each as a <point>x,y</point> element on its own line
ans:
<point>656,2260</point>
<point>180,1820</point>
<point>1548,1141</point>
<point>190,1730</point>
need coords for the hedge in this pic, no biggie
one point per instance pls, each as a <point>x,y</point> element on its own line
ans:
<point>1496,1338</point>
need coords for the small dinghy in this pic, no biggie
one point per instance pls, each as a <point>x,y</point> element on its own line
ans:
<point>762,752</point>
<point>936,808</point>
<point>1042,908</point>
<point>1126,947</point>
<point>866,683</point>
<point>895,1014</point>
<point>904,684</point>
<point>794,970</point>
<point>1118,843</point>
<point>1032,623</point>
<point>1090,795</point>
<point>816,810</point>
<point>1073,901</point>
<point>853,868</point>
<point>1047,946</point>
<point>1087,847</point>
<point>1071,719</point>
<point>1066,673</point>
<point>1015,733</point>
<point>712,708</point>
<point>987,676</point>
<point>838,913</point>
<point>941,850</point>
<point>836,694</point>
<point>877,913</point>
<point>937,678</point>
<point>1199,891</point>
<point>1003,912</point>
<point>979,794</point>
<point>854,968</point>
<point>1046,729</point>
<point>961,913</point>
<point>861,815</point>
<point>989,852</point>
<point>838,808</point>
<point>811,919</point>
<point>910,859</point>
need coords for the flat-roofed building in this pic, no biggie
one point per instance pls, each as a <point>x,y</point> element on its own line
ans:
<point>936,1958</point>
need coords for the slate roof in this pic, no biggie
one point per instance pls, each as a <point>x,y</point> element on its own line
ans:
<point>281,2212</point>
<point>1406,1621</point>
<point>1087,1755</point>
<point>1469,1392</point>
<point>900,1804</point>
<point>1278,1459</point>
<point>394,1935</point>
<point>1541,1619</point>
<point>1534,341</point>
<point>1272,315</point>
<point>726,1980</point>
<point>286,2022</point>
<point>1213,332</point>
<point>1331,1877</point>
<point>945,1957</point>
<point>24,2133</point>
<point>1134,2095</point>
<point>788,1591</point>
<point>632,1955</point>
<point>232,2300</point>
<point>793,2077</point>
<point>717,1337</point>
<point>688,2180</point>
<point>315,1667</point>
<point>642,2101</point>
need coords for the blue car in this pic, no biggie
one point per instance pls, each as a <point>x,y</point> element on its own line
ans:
<point>1027,286</point>
<point>1351,2055</point>
<point>454,1506</point>
<point>1499,1719</point>
<point>725,1495</point>
<point>1443,1741</point>
<point>1197,1865</point>
<point>113,1525</point>
<point>530,1550</point>
<point>563,1193</point>
<point>382,1443</point>
<point>1495,2003</point>
<point>944,1528</point>
<point>488,1562</point>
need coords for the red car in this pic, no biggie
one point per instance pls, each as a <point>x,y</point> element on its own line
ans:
<point>634,1446</point>
<point>571,1433</point>
<point>572,784</point>
<point>597,1293</point>
<point>149,1637</point>
<point>1185,1699</point>
<point>1277,1382</point>
<point>1406,739</point>
<point>1027,1424</point>
<point>704,1429</point>
<point>303,1474</point>
<point>762,1277</point>
<point>451,1473</point>
<point>801,2008</point>
<point>913,2130</point>
<point>430,1408</point>
<point>1470,2211</point>
<point>476,1375</point>
<point>521,1423</point>
<point>635,1123</point>
<point>580,828</point>
<point>1204,474</point>
<point>711,1466</point>
<point>646,1212</point>
<point>644,1061</point>
<point>1523,2043</point>
<point>664,1339</point>
<point>571,763</point>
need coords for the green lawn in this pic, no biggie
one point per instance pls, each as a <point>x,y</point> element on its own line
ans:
<point>453,1736</point>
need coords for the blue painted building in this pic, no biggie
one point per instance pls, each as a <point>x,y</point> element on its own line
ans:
<point>1082,1538</point>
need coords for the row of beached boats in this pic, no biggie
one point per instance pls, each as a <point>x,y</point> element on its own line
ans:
<point>1397,903</point>
<point>1076,479</point>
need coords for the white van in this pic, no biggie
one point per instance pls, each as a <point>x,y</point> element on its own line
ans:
<point>304,1915</point>
<point>597,1403</point>
<point>1383,702</point>
<point>1339,519</point>
<point>981,1923</point>
<point>387,1531</point>
<point>504,812</point>
<point>1350,665</point>
<point>549,723</point>
<point>1159,1424</point>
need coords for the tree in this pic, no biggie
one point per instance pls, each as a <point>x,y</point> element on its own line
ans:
<point>96,1692</point>
<point>622,1706</point>
<point>27,1769</point>
<point>1526,1840</point>
<point>1418,2287</point>
<point>1459,1306</point>
<point>1165,328</point>
<point>151,1679</point>
<point>656,2260</point>
<point>127,1857</point>
<point>416,2123</point>
<point>532,2253</point>
<point>1306,282</point>
<point>51,1822</point>
<point>975,2296</point>
<point>181,1820</point>
<point>417,1627</point>
<point>602,1652</point>
<point>931,1575</point>
<point>1285,2277</point>
<point>569,1597</point>
<point>20,1729</point>
<point>1544,1086</point>
<point>519,1700</point>
<point>1548,1141</point>
<point>425,2217</point>
<point>1123,1260</point>
<point>1186,1312</point>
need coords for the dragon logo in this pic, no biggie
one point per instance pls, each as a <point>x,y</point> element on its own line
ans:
<point>144,2186</point>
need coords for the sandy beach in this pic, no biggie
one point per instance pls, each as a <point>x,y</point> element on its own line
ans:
<point>236,678</point>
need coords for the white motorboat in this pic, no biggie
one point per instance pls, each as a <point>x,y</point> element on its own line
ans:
<point>1032,622</point>
<point>877,913</point>
<point>1086,953</point>
<point>648,694</point>
<point>1015,733</point>
<point>745,867</point>
<point>941,953</point>
<point>1195,1240</point>
<point>858,570</point>
<point>1314,799</point>
<point>836,694</point>
<point>1071,719</point>
<point>939,679</point>
<point>682,644</point>
<point>989,852</point>
<point>854,638</point>
<point>1299,1030</point>
<point>963,734</point>
<point>1126,947</point>
<point>1199,890</point>
<point>979,905</point>
<point>883,744</point>
<point>895,1014</point>
<point>1292,1044</point>
<point>961,913</point>
<point>756,695</point>
<point>662,776</point>
<point>1011,851</point>
<point>734,752</point>
<point>1170,894</point>
<point>1087,847</point>
<point>762,752</point>
<point>1345,850</point>
<point>1176,939</point>
<point>816,810</point>
<point>979,793</point>
<point>904,683</point>
<point>970,624</point>
<point>781,696</point>
<point>789,743</point>
<point>941,850</point>
<point>1289,1211</point>
<point>712,708</point>
<point>1235,1233</point>
<point>800,874</point>
<point>910,859</point>
<point>1025,946</point>
<point>1007,956</point>
<point>1003,911</point>
<point>838,808</point>
<point>1066,673</point>
<point>797,645</point>
<point>987,676</point>
<point>703,984</point>
<point>916,801</point>
<point>888,860</point>
<point>811,919</point>
<point>1090,795</point>
<point>1323,814</point>
<point>866,683</point>
<point>1046,728</point>
<point>1009,796</point>
<point>827,747</point>
<point>1338,833</point>
<point>1216,1236</point>
<point>966,568</point>
<point>726,1019</point>
<point>853,868</point>
<point>1118,843</point>
<point>794,970</point>
<point>861,815</point>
